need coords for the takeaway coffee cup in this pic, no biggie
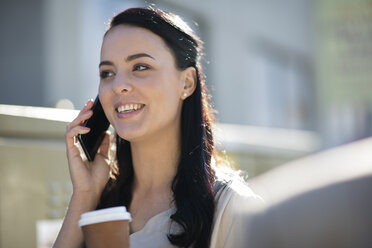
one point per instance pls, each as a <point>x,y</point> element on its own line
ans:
<point>107,227</point>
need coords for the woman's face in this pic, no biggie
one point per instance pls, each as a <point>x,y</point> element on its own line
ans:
<point>141,89</point>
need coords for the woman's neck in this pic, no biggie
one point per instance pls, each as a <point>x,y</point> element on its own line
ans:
<point>155,162</point>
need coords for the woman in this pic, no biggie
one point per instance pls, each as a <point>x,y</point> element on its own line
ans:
<point>153,93</point>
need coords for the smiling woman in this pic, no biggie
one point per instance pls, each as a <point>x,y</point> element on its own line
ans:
<point>153,93</point>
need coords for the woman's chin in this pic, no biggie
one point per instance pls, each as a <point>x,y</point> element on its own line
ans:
<point>130,136</point>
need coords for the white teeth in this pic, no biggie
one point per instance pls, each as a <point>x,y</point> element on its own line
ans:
<point>128,108</point>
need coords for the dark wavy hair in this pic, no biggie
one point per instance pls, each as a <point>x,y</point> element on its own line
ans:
<point>192,186</point>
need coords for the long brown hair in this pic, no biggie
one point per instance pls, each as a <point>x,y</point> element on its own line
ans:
<point>193,184</point>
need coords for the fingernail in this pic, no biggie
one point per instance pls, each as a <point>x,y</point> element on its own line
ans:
<point>90,100</point>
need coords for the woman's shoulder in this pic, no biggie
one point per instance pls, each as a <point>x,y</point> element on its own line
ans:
<point>231,187</point>
<point>235,203</point>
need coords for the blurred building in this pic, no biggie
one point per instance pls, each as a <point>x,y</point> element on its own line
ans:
<point>293,64</point>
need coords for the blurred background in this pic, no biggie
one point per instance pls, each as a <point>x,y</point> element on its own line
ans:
<point>289,78</point>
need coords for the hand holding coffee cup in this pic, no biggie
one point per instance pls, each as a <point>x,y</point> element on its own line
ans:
<point>107,227</point>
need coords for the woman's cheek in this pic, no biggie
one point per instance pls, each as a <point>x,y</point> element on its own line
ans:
<point>104,90</point>
<point>104,98</point>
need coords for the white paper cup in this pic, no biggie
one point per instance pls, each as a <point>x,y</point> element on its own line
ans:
<point>107,227</point>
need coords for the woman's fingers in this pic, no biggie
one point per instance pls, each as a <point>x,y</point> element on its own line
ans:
<point>70,140</point>
<point>87,106</point>
<point>79,119</point>
<point>82,116</point>
<point>77,130</point>
<point>74,128</point>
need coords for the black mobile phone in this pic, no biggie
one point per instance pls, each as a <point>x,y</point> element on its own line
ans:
<point>98,125</point>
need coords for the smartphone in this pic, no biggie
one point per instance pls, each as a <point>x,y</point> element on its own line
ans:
<point>98,125</point>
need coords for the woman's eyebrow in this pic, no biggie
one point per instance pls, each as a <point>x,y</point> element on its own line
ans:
<point>129,58</point>
<point>138,55</point>
<point>105,62</point>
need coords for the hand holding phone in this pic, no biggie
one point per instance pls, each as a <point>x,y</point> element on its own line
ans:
<point>98,125</point>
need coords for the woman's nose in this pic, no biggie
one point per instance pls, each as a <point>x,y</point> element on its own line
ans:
<point>121,83</point>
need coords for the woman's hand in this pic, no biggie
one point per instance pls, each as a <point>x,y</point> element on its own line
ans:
<point>88,178</point>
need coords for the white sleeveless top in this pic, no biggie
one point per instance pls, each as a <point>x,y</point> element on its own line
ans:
<point>234,204</point>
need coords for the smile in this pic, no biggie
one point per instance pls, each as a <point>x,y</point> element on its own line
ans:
<point>129,107</point>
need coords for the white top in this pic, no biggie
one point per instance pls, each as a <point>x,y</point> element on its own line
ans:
<point>234,204</point>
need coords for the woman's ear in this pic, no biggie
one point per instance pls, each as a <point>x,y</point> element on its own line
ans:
<point>189,82</point>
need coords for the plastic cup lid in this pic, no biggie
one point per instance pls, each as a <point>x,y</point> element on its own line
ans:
<point>103,215</point>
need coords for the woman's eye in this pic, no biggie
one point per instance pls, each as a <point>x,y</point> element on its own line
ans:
<point>106,74</point>
<point>140,67</point>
